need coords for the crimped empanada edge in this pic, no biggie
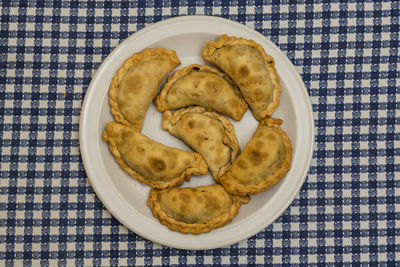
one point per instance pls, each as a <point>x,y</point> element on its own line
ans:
<point>170,119</point>
<point>137,57</point>
<point>224,40</point>
<point>277,90</point>
<point>200,162</point>
<point>160,100</point>
<point>195,228</point>
<point>232,186</point>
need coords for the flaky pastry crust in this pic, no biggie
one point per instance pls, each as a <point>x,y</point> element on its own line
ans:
<point>207,132</point>
<point>225,41</point>
<point>142,90</point>
<point>225,208</point>
<point>160,158</point>
<point>202,85</point>
<point>254,156</point>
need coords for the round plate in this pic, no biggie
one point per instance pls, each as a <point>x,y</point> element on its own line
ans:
<point>126,198</point>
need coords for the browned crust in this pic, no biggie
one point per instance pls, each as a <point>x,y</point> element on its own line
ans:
<point>277,90</point>
<point>201,169</point>
<point>135,58</point>
<point>161,99</point>
<point>234,187</point>
<point>195,228</point>
<point>169,120</point>
<point>226,40</point>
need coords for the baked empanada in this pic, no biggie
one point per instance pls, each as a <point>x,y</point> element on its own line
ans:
<point>207,132</point>
<point>136,83</point>
<point>150,162</point>
<point>263,162</point>
<point>194,210</point>
<point>202,85</point>
<point>250,68</point>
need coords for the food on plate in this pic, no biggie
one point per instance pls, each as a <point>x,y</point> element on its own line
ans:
<point>202,85</point>
<point>208,133</point>
<point>151,162</point>
<point>136,83</point>
<point>263,162</point>
<point>194,102</point>
<point>250,68</point>
<point>194,210</point>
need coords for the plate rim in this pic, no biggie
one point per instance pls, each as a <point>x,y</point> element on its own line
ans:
<point>86,157</point>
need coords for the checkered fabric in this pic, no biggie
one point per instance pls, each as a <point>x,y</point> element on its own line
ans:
<point>348,210</point>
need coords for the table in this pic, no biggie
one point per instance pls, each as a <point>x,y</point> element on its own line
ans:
<point>347,211</point>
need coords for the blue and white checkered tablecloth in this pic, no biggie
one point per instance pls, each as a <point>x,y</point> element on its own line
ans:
<point>348,210</point>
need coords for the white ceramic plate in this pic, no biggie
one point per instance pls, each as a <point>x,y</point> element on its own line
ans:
<point>126,198</point>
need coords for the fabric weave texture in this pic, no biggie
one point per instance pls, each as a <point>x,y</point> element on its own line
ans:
<point>348,210</point>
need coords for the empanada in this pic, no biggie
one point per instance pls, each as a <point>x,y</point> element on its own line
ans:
<point>250,68</point>
<point>136,83</point>
<point>263,162</point>
<point>207,132</point>
<point>202,85</point>
<point>150,162</point>
<point>194,210</point>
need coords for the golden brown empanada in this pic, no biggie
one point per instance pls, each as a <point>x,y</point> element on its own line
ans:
<point>250,68</point>
<point>194,210</point>
<point>202,85</point>
<point>136,83</point>
<point>150,162</point>
<point>207,132</point>
<point>263,162</point>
